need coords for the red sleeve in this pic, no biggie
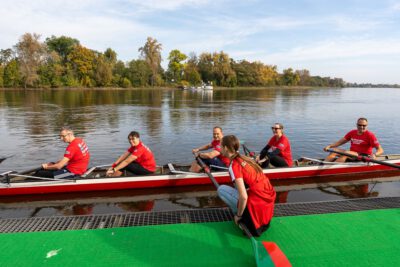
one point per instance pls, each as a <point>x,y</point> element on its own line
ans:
<point>374,140</point>
<point>70,151</point>
<point>283,143</point>
<point>348,135</point>
<point>138,151</point>
<point>237,170</point>
<point>271,141</point>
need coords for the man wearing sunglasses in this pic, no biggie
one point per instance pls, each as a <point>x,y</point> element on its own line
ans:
<point>74,162</point>
<point>362,143</point>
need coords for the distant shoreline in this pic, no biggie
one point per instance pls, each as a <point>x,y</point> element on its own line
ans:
<point>219,88</point>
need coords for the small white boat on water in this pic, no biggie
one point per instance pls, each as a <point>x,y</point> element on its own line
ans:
<point>204,86</point>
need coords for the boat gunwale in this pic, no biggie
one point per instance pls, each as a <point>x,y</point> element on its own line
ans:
<point>177,177</point>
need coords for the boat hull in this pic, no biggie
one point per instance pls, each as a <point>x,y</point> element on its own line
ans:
<point>277,176</point>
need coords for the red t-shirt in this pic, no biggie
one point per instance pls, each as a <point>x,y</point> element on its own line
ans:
<point>78,154</point>
<point>216,144</point>
<point>363,143</point>
<point>284,146</point>
<point>261,194</point>
<point>144,156</point>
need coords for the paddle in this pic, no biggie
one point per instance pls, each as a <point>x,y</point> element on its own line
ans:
<point>265,253</point>
<point>3,159</point>
<point>364,158</point>
<point>248,152</point>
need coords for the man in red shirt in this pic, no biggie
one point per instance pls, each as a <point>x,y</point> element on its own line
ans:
<point>138,159</point>
<point>213,157</point>
<point>75,161</point>
<point>362,143</point>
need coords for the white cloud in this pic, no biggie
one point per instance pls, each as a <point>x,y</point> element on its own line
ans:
<point>396,7</point>
<point>150,5</point>
<point>338,49</point>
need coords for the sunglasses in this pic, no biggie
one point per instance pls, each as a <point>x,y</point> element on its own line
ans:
<point>275,128</point>
<point>362,125</point>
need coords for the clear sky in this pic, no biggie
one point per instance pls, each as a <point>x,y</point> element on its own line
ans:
<point>357,40</point>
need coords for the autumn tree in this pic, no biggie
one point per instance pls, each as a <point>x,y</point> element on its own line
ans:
<point>304,76</point>
<point>81,61</point>
<point>151,53</point>
<point>266,75</point>
<point>30,53</point>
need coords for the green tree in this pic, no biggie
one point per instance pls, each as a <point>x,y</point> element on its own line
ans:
<point>206,67</point>
<point>151,53</point>
<point>30,53</point>
<point>63,45</point>
<point>289,77</point>
<point>1,76</point>
<point>223,72</point>
<point>119,72</point>
<point>139,73</point>
<point>245,73</point>
<point>191,73</point>
<point>11,77</point>
<point>103,71</point>
<point>6,55</point>
<point>110,56</point>
<point>176,66</point>
<point>51,72</point>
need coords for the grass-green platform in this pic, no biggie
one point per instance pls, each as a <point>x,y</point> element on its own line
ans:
<point>363,238</point>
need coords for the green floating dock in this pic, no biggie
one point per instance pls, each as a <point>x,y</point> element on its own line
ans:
<point>362,238</point>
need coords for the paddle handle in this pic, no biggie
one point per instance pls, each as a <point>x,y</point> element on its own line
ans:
<point>206,170</point>
<point>364,158</point>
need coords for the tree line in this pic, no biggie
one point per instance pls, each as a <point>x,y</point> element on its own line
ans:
<point>64,62</point>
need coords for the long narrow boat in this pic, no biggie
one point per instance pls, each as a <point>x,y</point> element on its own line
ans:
<point>24,183</point>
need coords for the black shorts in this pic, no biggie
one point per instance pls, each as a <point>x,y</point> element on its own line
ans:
<point>136,168</point>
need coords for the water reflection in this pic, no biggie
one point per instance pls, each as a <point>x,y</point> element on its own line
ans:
<point>172,122</point>
<point>181,198</point>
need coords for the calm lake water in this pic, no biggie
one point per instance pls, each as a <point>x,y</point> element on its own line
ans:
<point>172,122</point>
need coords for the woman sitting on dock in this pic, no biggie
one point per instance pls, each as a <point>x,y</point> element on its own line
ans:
<point>253,206</point>
<point>277,152</point>
<point>138,159</point>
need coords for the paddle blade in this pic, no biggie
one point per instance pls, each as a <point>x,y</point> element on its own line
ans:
<point>268,254</point>
<point>278,257</point>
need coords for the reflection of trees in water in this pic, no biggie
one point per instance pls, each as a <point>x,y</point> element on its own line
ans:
<point>43,112</point>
